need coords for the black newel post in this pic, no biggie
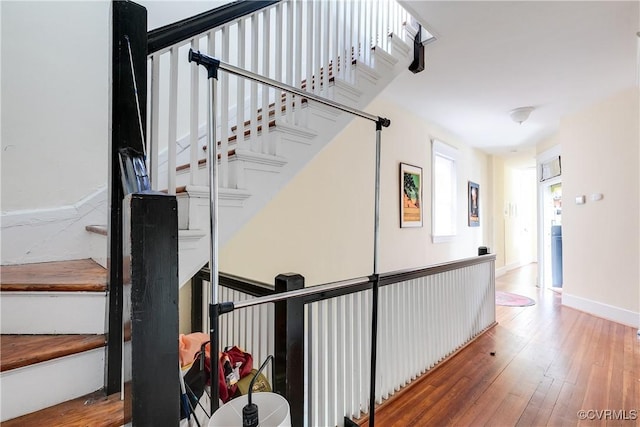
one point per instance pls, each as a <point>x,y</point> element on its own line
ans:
<point>153,287</point>
<point>289,346</point>
<point>129,23</point>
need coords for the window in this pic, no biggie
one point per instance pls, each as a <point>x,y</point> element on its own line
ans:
<point>444,194</point>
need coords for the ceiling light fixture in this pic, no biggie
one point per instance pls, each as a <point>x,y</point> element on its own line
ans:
<point>521,114</point>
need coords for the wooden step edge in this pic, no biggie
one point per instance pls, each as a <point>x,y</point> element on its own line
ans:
<point>49,287</point>
<point>247,132</point>
<point>83,275</point>
<point>97,229</point>
<point>24,350</point>
<point>201,163</point>
<point>95,409</point>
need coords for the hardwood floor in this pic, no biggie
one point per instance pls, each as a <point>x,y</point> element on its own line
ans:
<point>539,366</point>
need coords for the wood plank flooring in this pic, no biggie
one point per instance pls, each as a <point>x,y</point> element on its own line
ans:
<point>549,363</point>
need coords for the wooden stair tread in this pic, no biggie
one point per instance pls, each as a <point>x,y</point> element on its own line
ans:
<point>95,410</point>
<point>202,162</point>
<point>98,229</point>
<point>76,275</point>
<point>24,350</point>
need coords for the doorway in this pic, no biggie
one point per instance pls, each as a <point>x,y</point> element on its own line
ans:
<point>550,273</point>
<point>552,228</point>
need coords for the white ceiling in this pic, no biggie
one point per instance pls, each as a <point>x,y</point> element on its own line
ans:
<point>493,56</point>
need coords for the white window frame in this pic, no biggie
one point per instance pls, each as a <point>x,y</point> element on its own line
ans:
<point>440,149</point>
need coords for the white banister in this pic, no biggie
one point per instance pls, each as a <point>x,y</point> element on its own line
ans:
<point>289,64</point>
<point>266,20</point>
<point>173,120</point>
<point>254,86</point>
<point>240,101</point>
<point>194,119</point>
<point>154,117</point>
<point>278,60</point>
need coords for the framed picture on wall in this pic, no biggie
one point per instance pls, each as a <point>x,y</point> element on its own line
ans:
<point>410,196</point>
<point>474,204</point>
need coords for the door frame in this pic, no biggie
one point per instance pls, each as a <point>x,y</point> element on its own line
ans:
<point>542,187</point>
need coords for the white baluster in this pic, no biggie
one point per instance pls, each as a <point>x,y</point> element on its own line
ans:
<point>254,86</point>
<point>326,41</point>
<point>278,60</point>
<point>298,63</point>
<point>194,149</point>
<point>341,359</point>
<point>154,128</point>
<point>224,110</point>
<point>342,34</point>
<point>332,41</point>
<point>240,107</point>
<point>289,61</point>
<point>173,119</point>
<point>331,361</point>
<point>265,72</point>
<point>365,354</point>
<point>315,356</point>
<point>359,33</point>
<point>350,343</point>
<point>309,47</point>
<point>317,48</point>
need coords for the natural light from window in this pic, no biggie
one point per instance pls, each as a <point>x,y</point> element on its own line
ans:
<point>444,191</point>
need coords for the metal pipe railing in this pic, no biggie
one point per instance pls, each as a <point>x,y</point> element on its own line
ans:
<point>207,61</point>
<point>297,293</point>
<point>213,65</point>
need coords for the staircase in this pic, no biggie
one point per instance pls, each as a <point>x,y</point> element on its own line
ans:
<point>344,51</point>
<point>53,338</point>
<point>53,314</point>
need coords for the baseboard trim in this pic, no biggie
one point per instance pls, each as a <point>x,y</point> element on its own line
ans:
<point>599,309</point>
<point>507,268</point>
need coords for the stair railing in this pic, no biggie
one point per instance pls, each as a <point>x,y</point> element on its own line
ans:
<point>305,44</point>
<point>426,315</point>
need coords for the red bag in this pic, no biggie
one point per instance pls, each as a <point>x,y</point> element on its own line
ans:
<point>234,365</point>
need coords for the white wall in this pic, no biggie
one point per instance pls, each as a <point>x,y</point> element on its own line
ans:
<point>58,131</point>
<point>601,242</point>
<point>321,224</point>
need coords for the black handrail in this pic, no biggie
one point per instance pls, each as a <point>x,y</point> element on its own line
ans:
<point>259,289</point>
<point>171,34</point>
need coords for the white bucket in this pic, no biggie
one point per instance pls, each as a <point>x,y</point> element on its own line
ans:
<point>273,411</point>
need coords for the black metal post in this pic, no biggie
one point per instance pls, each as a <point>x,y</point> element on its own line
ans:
<point>374,350</point>
<point>154,310</point>
<point>289,346</point>
<point>129,22</point>
<point>196,303</point>
<point>376,282</point>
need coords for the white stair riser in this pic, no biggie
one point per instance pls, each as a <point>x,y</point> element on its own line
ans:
<point>53,312</point>
<point>35,387</point>
<point>98,248</point>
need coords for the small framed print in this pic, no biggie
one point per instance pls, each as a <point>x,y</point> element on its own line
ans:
<point>410,196</point>
<point>474,204</point>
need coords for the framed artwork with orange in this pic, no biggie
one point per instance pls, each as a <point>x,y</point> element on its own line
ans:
<point>411,206</point>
